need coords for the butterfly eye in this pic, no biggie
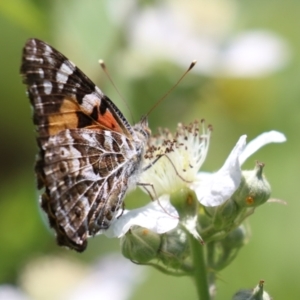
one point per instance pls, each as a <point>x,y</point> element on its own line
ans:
<point>142,127</point>
<point>147,132</point>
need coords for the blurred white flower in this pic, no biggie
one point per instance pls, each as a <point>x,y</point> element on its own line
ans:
<point>113,277</point>
<point>253,53</point>
<point>204,32</point>
<point>46,278</point>
<point>10,292</point>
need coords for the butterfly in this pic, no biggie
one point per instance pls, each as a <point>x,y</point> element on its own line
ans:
<point>89,154</point>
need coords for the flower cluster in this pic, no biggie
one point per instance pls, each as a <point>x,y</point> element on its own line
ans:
<point>190,206</point>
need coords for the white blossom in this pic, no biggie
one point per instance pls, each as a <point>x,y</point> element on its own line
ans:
<point>214,189</point>
<point>172,162</point>
<point>159,216</point>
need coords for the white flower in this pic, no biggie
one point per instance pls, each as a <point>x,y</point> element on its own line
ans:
<point>177,159</point>
<point>172,162</point>
<point>181,156</point>
<point>159,216</point>
<point>214,189</point>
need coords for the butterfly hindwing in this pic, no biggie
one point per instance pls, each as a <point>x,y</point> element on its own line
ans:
<point>84,186</point>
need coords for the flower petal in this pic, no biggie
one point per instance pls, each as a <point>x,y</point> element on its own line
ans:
<point>260,141</point>
<point>159,216</point>
<point>215,189</point>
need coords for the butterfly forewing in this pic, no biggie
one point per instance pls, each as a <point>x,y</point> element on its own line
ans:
<point>89,153</point>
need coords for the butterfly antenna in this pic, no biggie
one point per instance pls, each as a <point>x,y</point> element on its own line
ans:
<point>193,63</point>
<point>104,68</point>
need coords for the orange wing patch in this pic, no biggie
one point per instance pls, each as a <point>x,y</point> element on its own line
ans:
<point>71,116</point>
<point>65,118</point>
<point>108,121</point>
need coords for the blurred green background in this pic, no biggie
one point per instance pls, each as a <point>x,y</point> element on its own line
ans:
<point>86,31</point>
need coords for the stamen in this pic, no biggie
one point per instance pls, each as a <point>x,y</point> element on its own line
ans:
<point>181,156</point>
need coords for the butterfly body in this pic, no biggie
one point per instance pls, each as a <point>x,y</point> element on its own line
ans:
<point>89,153</point>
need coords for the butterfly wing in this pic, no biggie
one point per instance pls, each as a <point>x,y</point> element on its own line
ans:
<point>85,145</point>
<point>63,96</point>
<point>86,178</point>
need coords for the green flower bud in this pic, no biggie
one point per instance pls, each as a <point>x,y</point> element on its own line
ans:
<point>225,214</point>
<point>254,189</point>
<point>225,250</point>
<point>187,205</point>
<point>257,293</point>
<point>237,238</point>
<point>174,248</point>
<point>140,244</point>
<point>205,218</point>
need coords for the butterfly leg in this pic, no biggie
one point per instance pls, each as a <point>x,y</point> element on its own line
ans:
<point>146,187</point>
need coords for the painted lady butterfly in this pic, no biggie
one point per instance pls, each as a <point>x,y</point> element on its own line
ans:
<point>89,154</point>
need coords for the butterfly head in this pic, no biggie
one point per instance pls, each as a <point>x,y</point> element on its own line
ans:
<point>142,129</point>
<point>141,134</point>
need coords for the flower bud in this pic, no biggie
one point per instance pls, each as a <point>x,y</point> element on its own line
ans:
<point>257,293</point>
<point>174,248</point>
<point>204,217</point>
<point>237,238</point>
<point>225,214</point>
<point>140,244</point>
<point>226,249</point>
<point>187,205</point>
<point>254,189</point>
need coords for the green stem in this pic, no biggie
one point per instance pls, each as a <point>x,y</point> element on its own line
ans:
<point>200,268</point>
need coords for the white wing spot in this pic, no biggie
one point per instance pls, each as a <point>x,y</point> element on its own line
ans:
<point>37,99</point>
<point>89,101</point>
<point>47,87</point>
<point>64,72</point>
<point>89,137</point>
<point>34,89</point>
<point>47,55</point>
<point>48,49</point>
<point>107,140</point>
<point>34,58</point>
<point>40,72</point>
<point>33,46</point>
<point>50,60</point>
